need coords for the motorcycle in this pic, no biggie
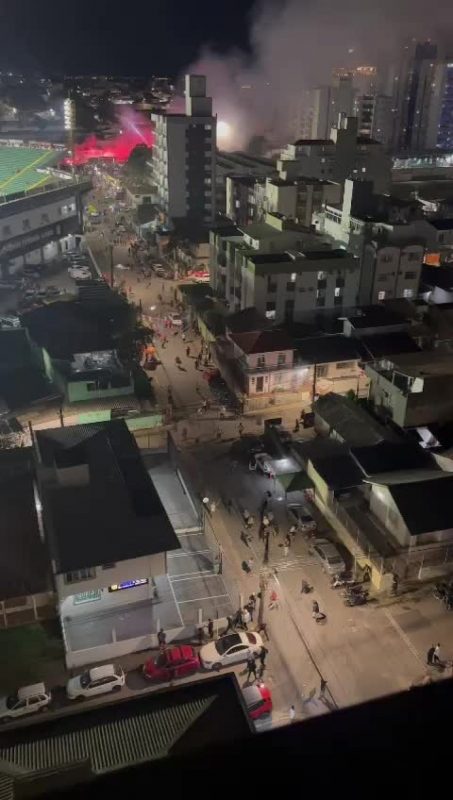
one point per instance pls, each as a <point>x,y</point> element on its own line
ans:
<point>338,582</point>
<point>357,600</point>
<point>306,588</point>
<point>353,591</point>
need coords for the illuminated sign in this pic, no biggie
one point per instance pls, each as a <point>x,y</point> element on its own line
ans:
<point>116,587</point>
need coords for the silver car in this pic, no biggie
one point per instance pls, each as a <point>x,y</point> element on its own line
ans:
<point>328,555</point>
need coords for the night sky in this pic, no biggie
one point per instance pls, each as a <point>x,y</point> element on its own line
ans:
<point>132,37</point>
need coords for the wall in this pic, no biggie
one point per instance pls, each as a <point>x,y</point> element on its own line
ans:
<point>78,390</point>
<point>144,567</point>
<point>322,490</point>
<point>385,509</point>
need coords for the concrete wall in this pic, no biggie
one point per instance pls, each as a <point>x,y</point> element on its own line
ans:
<point>144,567</point>
<point>385,509</point>
<point>78,390</point>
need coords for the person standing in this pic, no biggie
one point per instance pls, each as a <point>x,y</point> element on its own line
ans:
<point>429,655</point>
<point>251,667</point>
<point>212,508</point>
<point>246,617</point>
<point>240,429</point>
<point>436,654</point>
<point>162,639</point>
<point>230,626</point>
<point>210,628</point>
<point>292,713</point>
<point>262,657</point>
<point>262,628</point>
<point>315,608</point>
<point>322,688</point>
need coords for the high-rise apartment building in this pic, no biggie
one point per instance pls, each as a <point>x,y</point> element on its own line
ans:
<point>328,103</point>
<point>375,117</point>
<point>184,157</point>
<point>413,88</point>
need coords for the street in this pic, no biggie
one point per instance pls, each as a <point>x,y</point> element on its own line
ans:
<point>359,653</point>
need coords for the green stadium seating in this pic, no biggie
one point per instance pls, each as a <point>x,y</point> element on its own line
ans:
<point>18,168</point>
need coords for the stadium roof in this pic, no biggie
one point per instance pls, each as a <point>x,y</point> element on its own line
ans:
<point>19,168</point>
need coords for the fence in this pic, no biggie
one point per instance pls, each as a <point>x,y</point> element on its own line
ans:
<point>30,608</point>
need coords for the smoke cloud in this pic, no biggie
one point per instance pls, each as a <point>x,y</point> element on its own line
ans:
<point>295,46</point>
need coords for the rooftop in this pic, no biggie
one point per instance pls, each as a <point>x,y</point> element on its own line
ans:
<point>95,364</point>
<point>247,320</point>
<point>375,317</point>
<point>442,224</point>
<point>350,421</point>
<point>269,258</point>
<point>386,344</point>
<point>269,341</point>
<point>99,490</point>
<point>133,730</point>
<point>391,457</point>
<point>423,364</point>
<point>24,566</point>
<point>425,505</point>
<point>325,349</point>
<point>306,142</point>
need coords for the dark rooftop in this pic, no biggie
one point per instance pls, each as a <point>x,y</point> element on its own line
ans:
<point>14,348</point>
<point>269,258</point>
<point>388,344</point>
<point>303,142</point>
<point>392,457</point>
<point>262,341</point>
<point>133,730</point>
<point>338,470</point>
<point>24,566</point>
<point>325,349</point>
<point>425,505</point>
<point>314,255</point>
<point>374,317</point>
<point>249,319</point>
<point>354,424</point>
<point>102,506</point>
<point>442,224</point>
<point>366,140</point>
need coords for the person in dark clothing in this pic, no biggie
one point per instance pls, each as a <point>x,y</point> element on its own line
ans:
<point>162,638</point>
<point>210,628</point>
<point>315,607</point>
<point>262,656</point>
<point>230,625</point>
<point>251,667</point>
<point>262,628</point>
<point>430,655</point>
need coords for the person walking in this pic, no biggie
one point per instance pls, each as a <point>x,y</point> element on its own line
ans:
<point>292,713</point>
<point>262,657</point>
<point>188,352</point>
<point>230,626</point>
<point>436,654</point>
<point>262,629</point>
<point>315,608</point>
<point>162,639</point>
<point>210,628</point>
<point>430,655</point>
<point>246,617</point>
<point>212,508</point>
<point>240,429</point>
<point>322,688</point>
<point>251,667</point>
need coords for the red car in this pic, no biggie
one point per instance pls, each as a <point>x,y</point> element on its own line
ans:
<point>175,662</point>
<point>258,700</point>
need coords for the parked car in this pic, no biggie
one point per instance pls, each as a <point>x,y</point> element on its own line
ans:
<point>175,318</point>
<point>262,462</point>
<point>27,700</point>
<point>98,680</point>
<point>230,649</point>
<point>301,517</point>
<point>258,700</point>
<point>329,556</point>
<point>174,662</point>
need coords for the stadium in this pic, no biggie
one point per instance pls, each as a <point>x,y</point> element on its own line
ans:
<point>40,205</point>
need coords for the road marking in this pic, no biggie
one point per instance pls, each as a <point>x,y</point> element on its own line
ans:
<point>176,602</point>
<point>404,636</point>
<point>206,597</point>
<point>189,576</point>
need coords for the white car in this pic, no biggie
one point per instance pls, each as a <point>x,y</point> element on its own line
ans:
<point>98,680</point>
<point>329,556</point>
<point>175,318</point>
<point>80,274</point>
<point>230,649</point>
<point>26,700</point>
<point>301,517</point>
<point>261,462</point>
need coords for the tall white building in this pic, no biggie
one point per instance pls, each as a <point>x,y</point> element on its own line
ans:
<point>375,117</point>
<point>328,103</point>
<point>184,157</point>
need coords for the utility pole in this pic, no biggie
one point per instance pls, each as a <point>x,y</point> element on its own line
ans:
<point>112,275</point>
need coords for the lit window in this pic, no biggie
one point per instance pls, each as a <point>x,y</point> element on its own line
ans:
<point>381,295</point>
<point>408,293</point>
<point>293,277</point>
<point>338,291</point>
<point>321,276</point>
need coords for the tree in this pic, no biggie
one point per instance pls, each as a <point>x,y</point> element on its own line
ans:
<point>135,166</point>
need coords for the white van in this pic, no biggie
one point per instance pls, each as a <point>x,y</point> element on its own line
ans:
<point>26,700</point>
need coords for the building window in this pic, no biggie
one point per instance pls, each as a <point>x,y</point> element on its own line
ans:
<point>293,277</point>
<point>290,287</point>
<point>270,310</point>
<point>385,259</point>
<point>344,364</point>
<point>281,359</point>
<point>408,293</point>
<point>338,291</point>
<point>26,224</point>
<point>413,257</point>
<point>381,296</point>
<point>289,309</point>
<point>339,282</point>
<point>410,275</point>
<point>322,370</point>
<point>320,301</point>
<point>382,277</point>
<point>6,230</point>
<point>337,301</point>
<point>321,276</point>
<point>271,285</point>
<point>92,386</point>
<point>77,575</point>
<point>44,218</point>
<point>261,361</point>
